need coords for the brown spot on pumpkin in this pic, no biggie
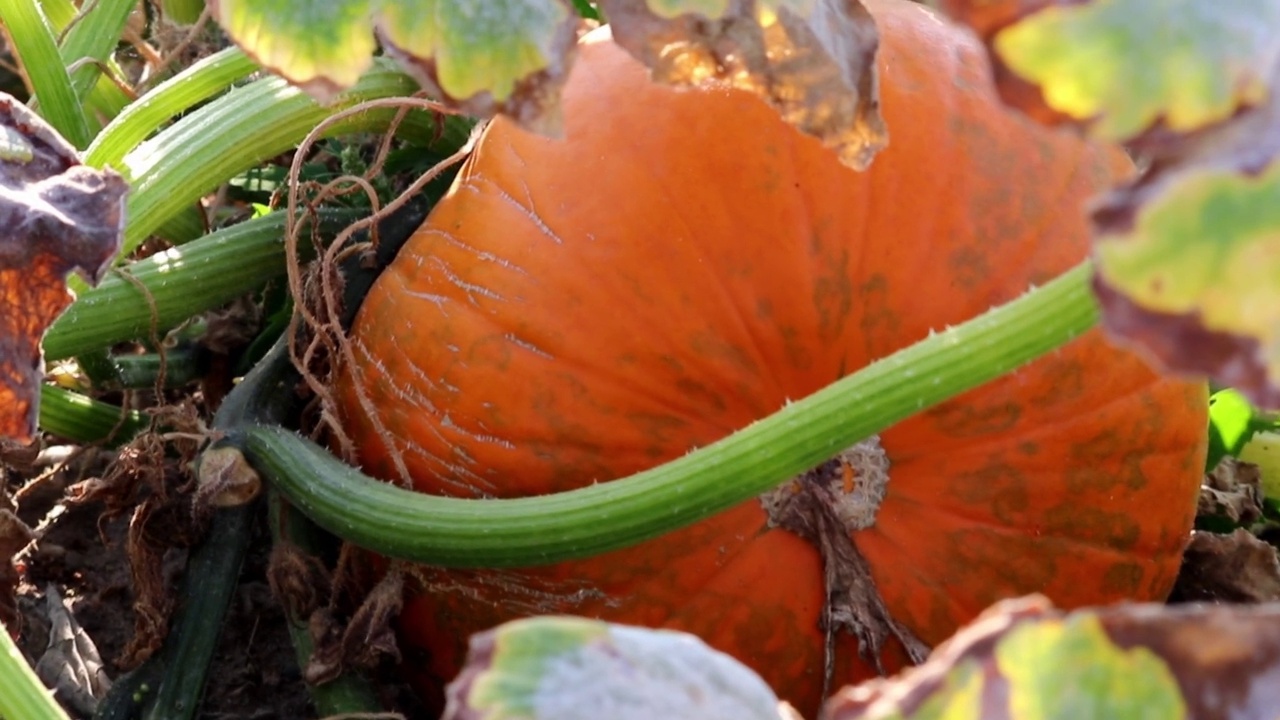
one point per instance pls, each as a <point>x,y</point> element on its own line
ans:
<point>699,394</point>
<point>659,429</point>
<point>816,506</point>
<point>969,419</point>
<point>716,345</point>
<point>1069,382</point>
<point>799,356</point>
<point>1010,217</point>
<point>880,321</point>
<point>1123,579</point>
<point>969,267</point>
<point>1093,525</point>
<point>1030,563</point>
<point>833,297</point>
<point>997,485</point>
<point>1099,462</point>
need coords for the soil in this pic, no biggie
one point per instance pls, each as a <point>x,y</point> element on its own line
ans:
<point>254,672</point>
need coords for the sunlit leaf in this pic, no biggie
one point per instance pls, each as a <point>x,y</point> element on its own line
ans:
<point>322,46</point>
<point>508,56</point>
<point>1188,252</point>
<point>814,60</point>
<point>1229,425</point>
<point>505,56</point>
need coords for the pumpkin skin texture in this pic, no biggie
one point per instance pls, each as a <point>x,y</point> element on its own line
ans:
<point>680,264</point>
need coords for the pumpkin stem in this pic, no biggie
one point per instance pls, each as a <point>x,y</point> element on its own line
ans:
<point>519,532</point>
<point>825,506</point>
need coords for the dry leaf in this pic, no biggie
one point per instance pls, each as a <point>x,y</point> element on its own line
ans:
<point>813,60</point>
<point>59,216</point>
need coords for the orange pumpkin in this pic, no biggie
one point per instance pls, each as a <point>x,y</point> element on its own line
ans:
<point>682,263</point>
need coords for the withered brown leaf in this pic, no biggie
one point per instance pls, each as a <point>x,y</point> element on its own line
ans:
<point>58,216</point>
<point>813,60</point>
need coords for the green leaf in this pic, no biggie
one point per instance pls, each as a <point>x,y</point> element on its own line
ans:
<point>33,40</point>
<point>1230,425</point>
<point>24,695</point>
<point>1131,63</point>
<point>322,46</point>
<point>959,698</point>
<point>183,12</point>
<point>1263,449</point>
<point>1121,662</point>
<point>675,8</point>
<point>479,46</point>
<point>464,47</point>
<point>586,9</point>
<point>197,83</point>
<point>91,39</point>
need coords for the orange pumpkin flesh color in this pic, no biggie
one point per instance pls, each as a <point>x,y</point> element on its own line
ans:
<point>683,263</point>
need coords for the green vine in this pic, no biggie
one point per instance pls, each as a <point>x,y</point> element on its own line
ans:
<point>607,516</point>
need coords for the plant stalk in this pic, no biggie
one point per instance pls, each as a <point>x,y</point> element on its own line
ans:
<point>542,530</point>
<point>24,696</point>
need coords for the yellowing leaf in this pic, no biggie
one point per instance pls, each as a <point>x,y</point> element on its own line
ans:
<point>1023,659</point>
<point>1132,63</point>
<point>1263,450</point>
<point>1063,670</point>
<point>1203,255</point>
<point>321,46</point>
<point>483,57</point>
<point>480,46</point>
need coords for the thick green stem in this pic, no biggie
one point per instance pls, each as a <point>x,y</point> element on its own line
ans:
<point>179,367</point>
<point>176,675</point>
<point>240,130</point>
<point>80,418</point>
<point>197,83</point>
<point>208,586</point>
<point>24,697</point>
<point>179,283</point>
<point>350,692</point>
<point>608,516</point>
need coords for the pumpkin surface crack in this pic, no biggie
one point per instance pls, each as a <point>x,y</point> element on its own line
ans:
<point>824,505</point>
